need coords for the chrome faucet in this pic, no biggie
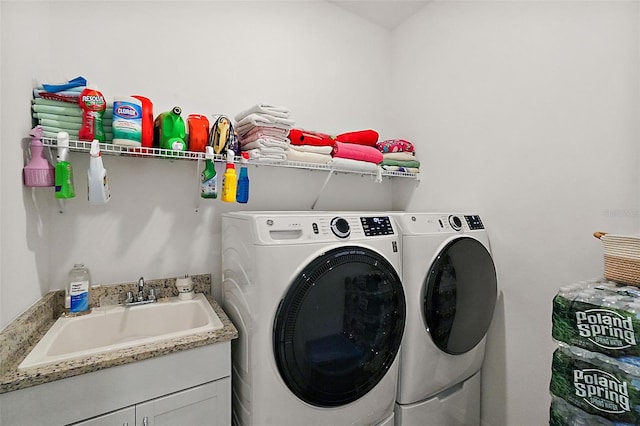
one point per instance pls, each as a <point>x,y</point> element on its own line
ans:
<point>140,299</point>
<point>141,289</point>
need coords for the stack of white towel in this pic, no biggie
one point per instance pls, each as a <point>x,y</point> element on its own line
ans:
<point>262,130</point>
<point>57,115</point>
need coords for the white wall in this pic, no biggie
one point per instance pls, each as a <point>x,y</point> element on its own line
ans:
<point>207,57</point>
<point>527,113</point>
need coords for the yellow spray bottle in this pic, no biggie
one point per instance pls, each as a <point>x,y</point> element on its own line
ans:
<point>229,179</point>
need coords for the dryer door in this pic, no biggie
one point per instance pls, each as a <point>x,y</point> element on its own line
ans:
<point>338,328</point>
<point>460,292</point>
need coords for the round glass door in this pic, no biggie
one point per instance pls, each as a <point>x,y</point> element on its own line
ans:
<point>460,295</point>
<point>338,329</point>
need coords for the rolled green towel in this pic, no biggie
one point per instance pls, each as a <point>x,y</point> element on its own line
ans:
<point>59,117</point>
<point>38,103</point>
<point>60,124</point>
<point>413,164</point>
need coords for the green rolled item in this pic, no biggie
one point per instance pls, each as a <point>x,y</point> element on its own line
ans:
<point>60,124</point>
<point>62,110</point>
<point>66,118</point>
<point>65,108</point>
<point>414,163</point>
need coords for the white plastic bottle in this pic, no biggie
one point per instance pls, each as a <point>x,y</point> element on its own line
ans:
<point>98,183</point>
<point>77,290</point>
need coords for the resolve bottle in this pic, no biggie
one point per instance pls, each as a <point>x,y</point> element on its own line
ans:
<point>229,183</point>
<point>208,183</point>
<point>77,289</point>
<point>63,171</point>
<point>93,105</point>
<point>243,180</point>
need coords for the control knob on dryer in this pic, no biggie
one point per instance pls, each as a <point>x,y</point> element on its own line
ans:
<point>455,222</point>
<point>340,227</point>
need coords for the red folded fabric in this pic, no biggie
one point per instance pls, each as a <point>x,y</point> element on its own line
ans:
<point>361,137</point>
<point>354,151</point>
<point>307,137</point>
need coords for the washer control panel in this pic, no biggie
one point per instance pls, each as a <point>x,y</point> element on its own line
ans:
<point>376,225</point>
<point>474,222</point>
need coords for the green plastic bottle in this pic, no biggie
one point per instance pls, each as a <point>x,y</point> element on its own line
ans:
<point>208,184</point>
<point>63,172</point>
<point>170,131</point>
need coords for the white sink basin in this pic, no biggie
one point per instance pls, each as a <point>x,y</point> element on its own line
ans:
<point>122,327</point>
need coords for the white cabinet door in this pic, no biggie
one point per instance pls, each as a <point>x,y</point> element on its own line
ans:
<point>208,404</point>
<point>124,417</point>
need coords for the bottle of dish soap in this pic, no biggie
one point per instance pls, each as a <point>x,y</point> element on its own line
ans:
<point>229,183</point>
<point>63,171</point>
<point>208,184</point>
<point>98,191</point>
<point>77,290</point>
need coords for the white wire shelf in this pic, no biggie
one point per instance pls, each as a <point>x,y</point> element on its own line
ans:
<point>129,151</point>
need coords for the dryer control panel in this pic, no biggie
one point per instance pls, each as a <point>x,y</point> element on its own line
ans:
<point>376,225</point>
<point>474,222</point>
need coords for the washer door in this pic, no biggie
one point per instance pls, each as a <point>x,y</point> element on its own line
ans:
<point>338,329</point>
<point>460,292</point>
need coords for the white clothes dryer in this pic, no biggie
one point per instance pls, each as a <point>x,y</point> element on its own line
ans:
<point>451,288</point>
<point>319,305</point>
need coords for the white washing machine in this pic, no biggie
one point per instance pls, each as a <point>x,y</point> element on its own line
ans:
<point>450,283</point>
<point>319,305</point>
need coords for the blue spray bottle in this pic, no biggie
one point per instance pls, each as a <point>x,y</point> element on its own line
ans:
<point>242,196</point>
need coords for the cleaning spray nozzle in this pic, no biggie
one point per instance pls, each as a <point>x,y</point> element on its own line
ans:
<point>244,157</point>
<point>95,148</point>
<point>230,157</point>
<point>208,154</point>
<point>36,132</point>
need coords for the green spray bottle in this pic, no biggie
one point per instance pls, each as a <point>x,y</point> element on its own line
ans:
<point>208,183</point>
<point>63,171</point>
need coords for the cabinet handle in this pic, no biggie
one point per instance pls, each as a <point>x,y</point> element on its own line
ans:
<point>145,421</point>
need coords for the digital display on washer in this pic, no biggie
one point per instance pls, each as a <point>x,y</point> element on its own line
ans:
<point>379,225</point>
<point>474,222</point>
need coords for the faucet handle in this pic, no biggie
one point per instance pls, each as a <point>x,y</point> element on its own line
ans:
<point>129,298</point>
<point>152,294</point>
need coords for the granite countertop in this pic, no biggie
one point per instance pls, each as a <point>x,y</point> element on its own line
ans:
<point>19,337</point>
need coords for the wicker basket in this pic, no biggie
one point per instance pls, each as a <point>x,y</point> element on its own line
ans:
<point>621,258</point>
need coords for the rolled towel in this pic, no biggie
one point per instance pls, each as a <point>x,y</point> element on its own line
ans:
<point>413,164</point>
<point>254,136</point>
<point>277,156</point>
<point>68,96</point>
<point>64,108</point>
<point>264,143</point>
<point>307,157</point>
<point>59,117</point>
<point>308,137</point>
<point>395,145</point>
<point>402,156</point>
<point>357,152</point>
<point>70,110</point>
<point>312,148</point>
<point>347,164</point>
<point>267,131</point>
<point>361,137</point>
<point>254,120</point>
<point>60,124</point>
<point>272,110</point>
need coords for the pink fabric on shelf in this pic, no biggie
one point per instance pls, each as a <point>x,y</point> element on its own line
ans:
<point>357,152</point>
